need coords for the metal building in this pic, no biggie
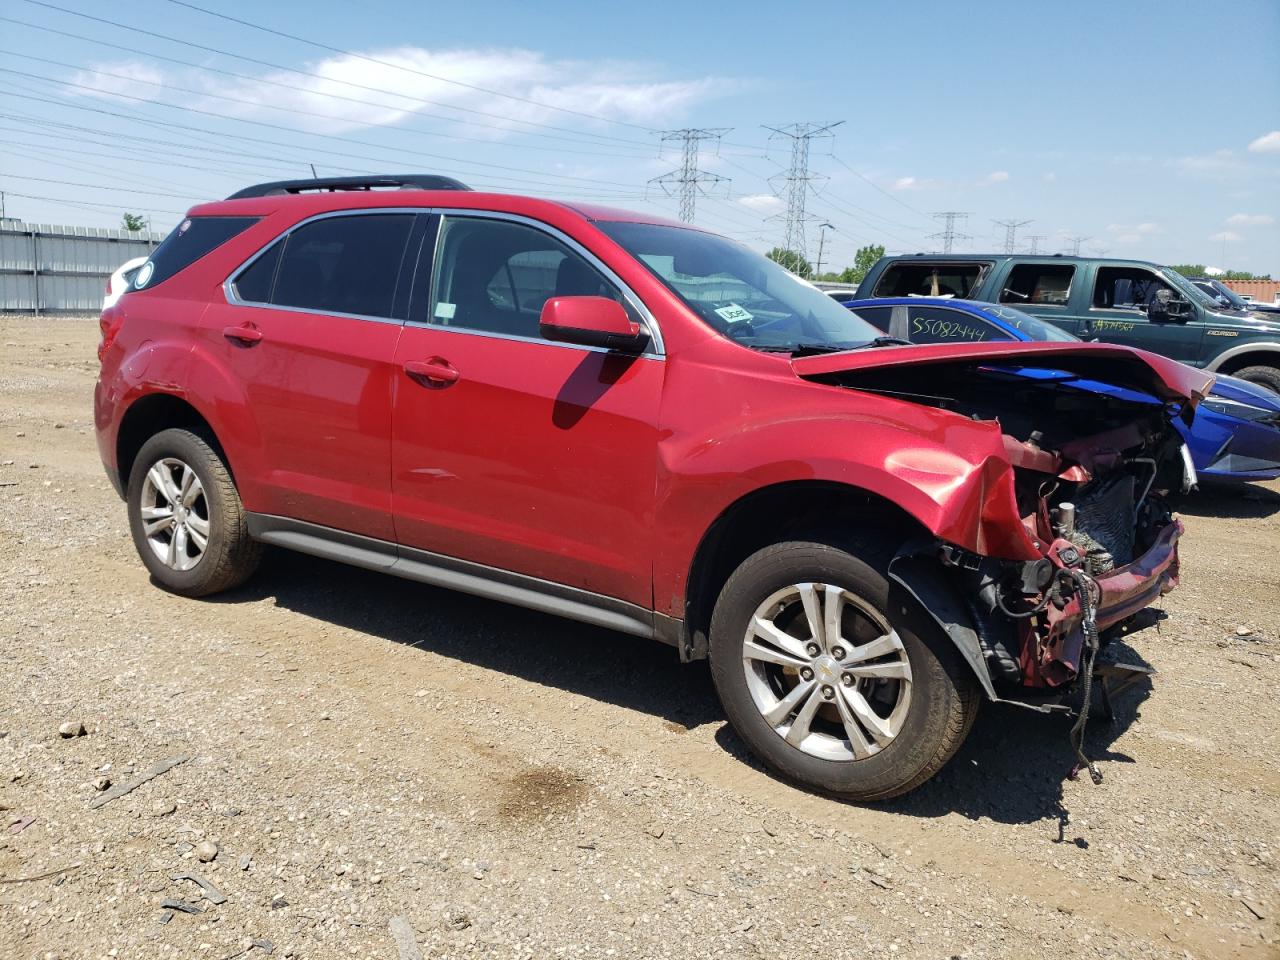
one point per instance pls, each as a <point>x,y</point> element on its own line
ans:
<point>53,269</point>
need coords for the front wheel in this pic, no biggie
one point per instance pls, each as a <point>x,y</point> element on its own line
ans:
<point>186,517</point>
<point>1263,376</point>
<point>819,682</point>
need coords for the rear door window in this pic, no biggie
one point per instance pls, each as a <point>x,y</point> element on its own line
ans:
<point>943,325</point>
<point>189,241</point>
<point>907,278</point>
<point>347,264</point>
<point>1038,285</point>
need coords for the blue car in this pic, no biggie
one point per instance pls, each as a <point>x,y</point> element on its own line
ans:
<point>1236,433</point>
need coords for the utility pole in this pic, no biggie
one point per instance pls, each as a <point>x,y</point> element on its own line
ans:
<point>797,178</point>
<point>1035,243</point>
<point>822,236</point>
<point>948,234</point>
<point>1010,231</point>
<point>689,180</point>
<point>1075,244</point>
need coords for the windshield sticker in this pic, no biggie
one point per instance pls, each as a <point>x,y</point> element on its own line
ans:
<point>445,311</point>
<point>733,313</point>
<point>143,276</point>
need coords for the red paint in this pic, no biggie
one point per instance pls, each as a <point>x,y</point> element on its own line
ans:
<point>597,470</point>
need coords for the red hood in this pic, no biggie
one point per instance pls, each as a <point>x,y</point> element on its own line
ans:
<point>1161,377</point>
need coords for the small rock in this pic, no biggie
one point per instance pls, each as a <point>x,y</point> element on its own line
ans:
<point>101,783</point>
<point>72,728</point>
<point>162,808</point>
<point>376,878</point>
<point>655,830</point>
<point>457,920</point>
<point>245,860</point>
<point>206,851</point>
<point>58,426</point>
<point>278,902</point>
<point>1243,631</point>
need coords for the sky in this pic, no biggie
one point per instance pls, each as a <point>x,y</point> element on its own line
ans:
<point>1148,130</point>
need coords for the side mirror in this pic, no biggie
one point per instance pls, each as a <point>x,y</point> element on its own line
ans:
<point>591,322</point>
<point>1166,308</point>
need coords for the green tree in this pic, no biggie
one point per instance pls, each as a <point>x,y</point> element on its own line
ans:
<point>133,222</point>
<point>1188,269</point>
<point>791,260</point>
<point>863,261</point>
<point>1244,275</point>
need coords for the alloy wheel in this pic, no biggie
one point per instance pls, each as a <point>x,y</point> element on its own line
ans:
<point>175,513</point>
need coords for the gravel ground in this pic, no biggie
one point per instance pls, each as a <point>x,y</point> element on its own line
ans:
<point>360,749</point>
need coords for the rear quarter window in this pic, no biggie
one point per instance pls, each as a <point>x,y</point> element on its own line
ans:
<point>931,279</point>
<point>190,240</point>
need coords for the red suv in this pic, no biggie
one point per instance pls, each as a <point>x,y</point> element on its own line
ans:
<point>644,426</point>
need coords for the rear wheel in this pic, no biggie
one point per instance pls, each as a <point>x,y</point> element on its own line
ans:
<point>822,685</point>
<point>186,518</point>
<point>1263,376</point>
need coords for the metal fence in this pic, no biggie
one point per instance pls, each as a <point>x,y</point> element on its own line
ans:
<point>53,269</point>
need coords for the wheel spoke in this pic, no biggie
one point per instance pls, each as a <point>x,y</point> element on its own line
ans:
<point>858,743</point>
<point>198,524</point>
<point>188,487</point>
<point>163,483</point>
<point>832,608</point>
<point>799,728</point>
<point>880,647</point>
<point>812,612</point>
<point>782,709</point>
<point>893,670</point>
<point>768,631</point>
<point>181,560</point>
<point>199,539</point>
<point>159,525</point>
<point>756,651</point>
<point>876,725</point>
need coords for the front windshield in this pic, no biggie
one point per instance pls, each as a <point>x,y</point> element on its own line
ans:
<point>1233,298</point>
<point>1033,327</point>
<point>1188,289</point>
<point>741,294</point>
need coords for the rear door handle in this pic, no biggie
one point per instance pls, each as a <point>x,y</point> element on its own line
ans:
<point>435,373</point>
<point>246,334</point>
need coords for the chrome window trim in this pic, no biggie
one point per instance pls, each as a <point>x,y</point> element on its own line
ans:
<point>657,347</point>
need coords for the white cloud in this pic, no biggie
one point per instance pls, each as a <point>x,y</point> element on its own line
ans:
<point>1049,177</point>
<point>340,92</point>
<point>906,183</point>
<point>1250,220</point>
<point>995,176</point>
<point>1214,165</point>
<point>1132,232</point>
<point>1225,236</point>
<point>762,202</point>
<point>1267,143</point>
<point>129,78</point>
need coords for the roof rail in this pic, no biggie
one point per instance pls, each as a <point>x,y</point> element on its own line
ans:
<point>399,181</point>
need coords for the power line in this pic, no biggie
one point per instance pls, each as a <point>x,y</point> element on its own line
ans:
<point>876,186</point>
<point>689,179</point>
<point>276,126</point>
<point>797,179</point>
<point>1075,244</point>
<point>948,234</point>
<point>278,66</point>
<point>1010,231</point>
<point>1035,242</point>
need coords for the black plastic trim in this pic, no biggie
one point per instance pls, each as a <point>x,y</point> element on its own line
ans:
<point>454,574</point>
<point>402,181</point>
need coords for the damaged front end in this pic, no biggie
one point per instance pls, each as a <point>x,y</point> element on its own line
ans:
<point>1072,533</point>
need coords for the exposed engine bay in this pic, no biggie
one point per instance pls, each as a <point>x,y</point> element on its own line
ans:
<point>1091,473</point>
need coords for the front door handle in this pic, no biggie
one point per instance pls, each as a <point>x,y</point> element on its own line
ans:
<point>246,334</point>
<point>435,373</point>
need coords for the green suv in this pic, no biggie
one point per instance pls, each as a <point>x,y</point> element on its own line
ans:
<point>1132,302</point>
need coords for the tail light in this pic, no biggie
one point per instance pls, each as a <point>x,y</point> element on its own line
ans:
<point>109,323</point>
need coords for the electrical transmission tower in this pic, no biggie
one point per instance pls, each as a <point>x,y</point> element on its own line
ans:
<point>689,180</point>
<point>1010,231</point>
<point>948,234</point>
<point>1035,242</point>
<point>796,180</point>
<point>1075,244</point>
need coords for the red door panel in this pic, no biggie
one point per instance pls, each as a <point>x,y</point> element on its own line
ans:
<point>527,456</point>
<point>319,389</point>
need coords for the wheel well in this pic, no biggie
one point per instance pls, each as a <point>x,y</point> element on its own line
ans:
<point>1258,358</point>
<point>148,416</point>
<point>788,511</point>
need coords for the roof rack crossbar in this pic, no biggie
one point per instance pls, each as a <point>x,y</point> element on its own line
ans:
<point>398,181</point>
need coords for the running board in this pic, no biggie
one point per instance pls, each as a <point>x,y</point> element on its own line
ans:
<point>454,574</point>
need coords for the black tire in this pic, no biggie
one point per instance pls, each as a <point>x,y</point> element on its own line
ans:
<point>231,555</point>
<point>1268,377</point>
<point>944,697</point>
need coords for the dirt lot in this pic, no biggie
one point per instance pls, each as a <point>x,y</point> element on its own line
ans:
<point>363,748</point>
